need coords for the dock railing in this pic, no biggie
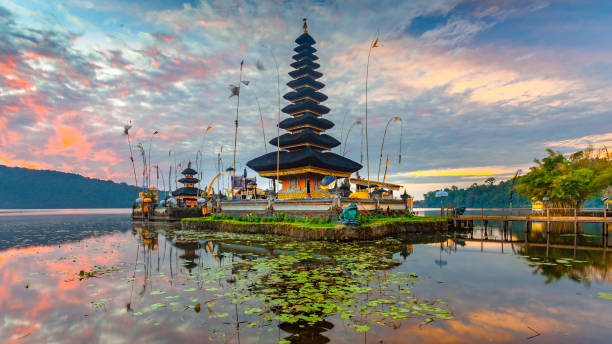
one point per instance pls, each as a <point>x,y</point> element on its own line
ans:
<point>589,215</point>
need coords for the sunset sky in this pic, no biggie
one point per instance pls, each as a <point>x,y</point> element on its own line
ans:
<point>483,87</point>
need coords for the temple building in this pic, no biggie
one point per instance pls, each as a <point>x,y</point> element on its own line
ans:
<point>188,194</point>
<point>304,151</point>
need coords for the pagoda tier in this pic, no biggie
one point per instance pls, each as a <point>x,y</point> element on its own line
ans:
<point>306,120</point>
<point>305,63</point>
<point>305,82</point>
<point>305,93</point>
<point>302,161</point>
<point>306,137</point>
<point>305,105</point>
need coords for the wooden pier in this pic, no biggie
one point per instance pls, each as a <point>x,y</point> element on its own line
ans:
<point>529,216</point>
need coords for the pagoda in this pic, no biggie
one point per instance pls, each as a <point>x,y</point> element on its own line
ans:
<point>188,194</point>
<point>304,157</point>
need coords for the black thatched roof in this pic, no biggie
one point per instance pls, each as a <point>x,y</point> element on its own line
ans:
<point>306,71</point>
<point>305,81</point>
<point>307,119</point>
<point>304,55</point>
<point>305,63</point>
<point>190,171</point>
<point>188,180</point>
<point>304,49</point>
<point>186,192</point>
<point>305,39</point>
<point>304,157</point>
<point>305,92</point>
<point>306,136</point>
<point>306,105</point>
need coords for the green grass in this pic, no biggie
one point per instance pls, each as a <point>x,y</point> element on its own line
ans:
<point>367,220</point>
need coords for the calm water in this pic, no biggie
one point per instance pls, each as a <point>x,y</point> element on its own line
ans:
<point>100,278</point>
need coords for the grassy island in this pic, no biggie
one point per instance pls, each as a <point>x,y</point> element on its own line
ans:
<point>319,228</point>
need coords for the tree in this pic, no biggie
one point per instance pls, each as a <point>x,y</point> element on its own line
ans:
<point>568,181</point>
<point>490,181</point>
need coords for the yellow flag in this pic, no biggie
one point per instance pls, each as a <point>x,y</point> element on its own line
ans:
<point>208,128</point>
<point>375,44</point>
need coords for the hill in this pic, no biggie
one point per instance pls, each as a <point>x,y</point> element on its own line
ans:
<point>22,188</point>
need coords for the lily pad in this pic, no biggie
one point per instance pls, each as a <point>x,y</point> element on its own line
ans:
<point>605,296</point>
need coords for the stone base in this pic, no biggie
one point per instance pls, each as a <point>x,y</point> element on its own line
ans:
<point>303,233</point>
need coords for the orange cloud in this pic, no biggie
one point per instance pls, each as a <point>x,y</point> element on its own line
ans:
<point>10,162</point>
<point>69,141</point>
<point>462,171</point>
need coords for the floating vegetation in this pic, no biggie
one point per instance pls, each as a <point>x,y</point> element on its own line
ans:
<point>302,283</point>
<point>605,296</point>
<point>95,272</point>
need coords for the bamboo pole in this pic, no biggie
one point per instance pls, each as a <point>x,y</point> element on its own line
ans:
<point>396,118</point>
<point>277,126</point>
<point>236,130</point>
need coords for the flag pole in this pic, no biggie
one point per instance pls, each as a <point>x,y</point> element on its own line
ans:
<point>236,130</point>
<point>394,119</point>
<point>277,126</point>
<point>373,45</point>
<point>366,116</point>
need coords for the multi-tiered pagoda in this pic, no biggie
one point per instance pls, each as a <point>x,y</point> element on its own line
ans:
<point>304,159</point>
<point>188,194</point>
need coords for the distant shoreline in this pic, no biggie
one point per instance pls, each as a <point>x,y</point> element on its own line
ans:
<point>73,211</point>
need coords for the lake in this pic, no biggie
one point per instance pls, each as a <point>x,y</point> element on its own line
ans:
<point>94,276</point>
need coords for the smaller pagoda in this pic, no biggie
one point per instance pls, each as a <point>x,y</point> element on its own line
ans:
<point>188,194</point>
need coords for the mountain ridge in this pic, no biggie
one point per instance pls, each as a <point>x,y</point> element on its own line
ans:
<point>24,188</point>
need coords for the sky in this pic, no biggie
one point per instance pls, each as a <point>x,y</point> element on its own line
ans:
<point>482,87</point>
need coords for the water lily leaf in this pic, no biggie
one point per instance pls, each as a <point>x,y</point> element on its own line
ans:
<point>189,289</point>
<point>158,292</point>
<point>605,296</point>
<point>361,328</point>
<point>157,305</point>
<point>252,310</point>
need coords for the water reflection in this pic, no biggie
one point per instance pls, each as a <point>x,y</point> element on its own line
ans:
<point>23,231</point>
<point>153,282</point>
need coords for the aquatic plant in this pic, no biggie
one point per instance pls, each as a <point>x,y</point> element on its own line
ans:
<point>304,283</point>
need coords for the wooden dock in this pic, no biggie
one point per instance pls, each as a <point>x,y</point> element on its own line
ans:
<point>529,216</point>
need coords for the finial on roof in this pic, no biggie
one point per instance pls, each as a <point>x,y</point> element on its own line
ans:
<point>305,26</point>
<point>189,165</point>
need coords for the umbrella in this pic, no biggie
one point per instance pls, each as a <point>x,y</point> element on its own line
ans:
<point>441,194</point>
<point>327,180</point>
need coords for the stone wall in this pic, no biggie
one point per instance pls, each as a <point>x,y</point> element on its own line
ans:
<point>303,233</point>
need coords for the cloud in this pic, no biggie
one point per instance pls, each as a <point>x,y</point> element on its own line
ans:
<point>461,172</point>
<point>68,86</point>
<point>597,141</point>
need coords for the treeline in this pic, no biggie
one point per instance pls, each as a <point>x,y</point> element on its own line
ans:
<point>22,188</point>
<point>487,195</point>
